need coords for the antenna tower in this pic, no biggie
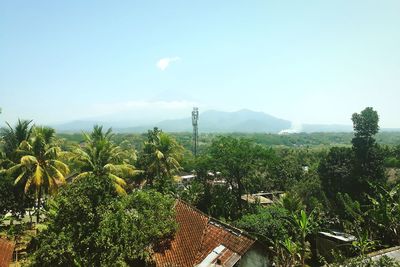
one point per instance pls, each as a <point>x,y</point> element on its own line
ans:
<point>195,118</point>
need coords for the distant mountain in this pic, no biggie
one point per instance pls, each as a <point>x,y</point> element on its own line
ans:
<point>209,121</point>
<point>212,121</point>
<point>219,121</point>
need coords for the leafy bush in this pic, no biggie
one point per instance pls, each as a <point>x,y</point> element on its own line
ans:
<point>89,225</point>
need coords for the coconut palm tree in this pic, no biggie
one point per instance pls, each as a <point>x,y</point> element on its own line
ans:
<point>161,156</point>
<point>13,137</point>
<point>39,167</point>
<point>101,157</point>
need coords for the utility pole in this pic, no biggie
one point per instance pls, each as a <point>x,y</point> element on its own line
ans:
<point>195,118</point>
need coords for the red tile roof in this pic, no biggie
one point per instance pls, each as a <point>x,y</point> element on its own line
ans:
<point>197,236</point>
<point>6,252</point>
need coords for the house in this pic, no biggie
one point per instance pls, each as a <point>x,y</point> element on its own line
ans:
<point>186,179</point>
<point>6,252</point>
<point>256,199</point>
<point>262,198</point>
<point>204,241</point>
<point>327,242</point>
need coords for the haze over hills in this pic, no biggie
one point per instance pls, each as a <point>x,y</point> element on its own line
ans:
<point>212,121</point>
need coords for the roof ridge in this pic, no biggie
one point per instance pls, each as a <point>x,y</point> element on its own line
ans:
<point>197,258</point>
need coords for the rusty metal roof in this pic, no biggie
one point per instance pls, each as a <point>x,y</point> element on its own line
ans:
<point>197,236</point>
<point>6,252</point>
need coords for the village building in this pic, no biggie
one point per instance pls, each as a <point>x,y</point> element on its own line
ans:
<point>204,241</point>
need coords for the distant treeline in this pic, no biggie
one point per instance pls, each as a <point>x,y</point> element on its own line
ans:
<point>287,140</point>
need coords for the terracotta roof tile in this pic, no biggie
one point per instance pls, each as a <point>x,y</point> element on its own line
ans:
<point>220,234</point>
<point>6,252</point>
<point>197,236</point>
<point>183,248</point>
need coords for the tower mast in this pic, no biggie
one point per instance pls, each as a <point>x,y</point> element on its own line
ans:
<point>195,118</point>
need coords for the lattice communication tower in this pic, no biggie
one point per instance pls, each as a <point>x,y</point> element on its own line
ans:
<point>195,118</point>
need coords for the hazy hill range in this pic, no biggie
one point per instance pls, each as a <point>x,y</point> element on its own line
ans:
<point>239,121</point>
<point>212,121</point>
<point>209,121</point>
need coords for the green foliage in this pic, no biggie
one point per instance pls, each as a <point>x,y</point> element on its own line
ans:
<point>350,212</point>
<point>368,164</point>
<point>160,159</point>
<point>310,190</point>
<point>270,224</point>
<point>101,157</point>
<point>89,225</point>
<point>384,214</point>
<point>133,227</point>
<point>305,225</point>
<point>13,137</point>
<point>363,244</point>
<point>39,168</point>
<point>73,227</point>
<point>336,171</point>
<point>291,202</point>
<point>193,193</point>
<point>238,160</point>
<point>288,253</point>
<point>12,198</point>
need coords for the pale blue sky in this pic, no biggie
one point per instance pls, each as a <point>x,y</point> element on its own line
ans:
<point>306,61</point>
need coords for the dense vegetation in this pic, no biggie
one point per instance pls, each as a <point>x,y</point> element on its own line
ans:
<point>102,199</point>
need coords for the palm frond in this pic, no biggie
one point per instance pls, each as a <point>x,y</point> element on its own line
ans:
<point>117,180</point>
<point>14,168</point>
<point>29,160</point>
<point>83,175</point>
<point>19,177</point>
<point>38,176</point>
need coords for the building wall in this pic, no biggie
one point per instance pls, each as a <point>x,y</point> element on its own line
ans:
<point>255,257</point>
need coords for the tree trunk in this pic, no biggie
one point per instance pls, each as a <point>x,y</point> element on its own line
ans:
<point>38,206</point>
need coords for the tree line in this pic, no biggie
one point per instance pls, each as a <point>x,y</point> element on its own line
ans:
<point>103,198</point>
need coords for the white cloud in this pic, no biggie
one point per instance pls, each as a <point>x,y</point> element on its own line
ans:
<point>163,63</point>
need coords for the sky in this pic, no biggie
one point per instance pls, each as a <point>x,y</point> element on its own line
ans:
<point>305,61</point>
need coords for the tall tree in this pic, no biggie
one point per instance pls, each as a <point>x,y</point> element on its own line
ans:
<point>39,167</point>
<point>13,137</point>
<point>90,225</point>
<point>368,165</point>
<point>161,157</point>
<point>336,172</point>
<point>101,157</point>
<point>238,161</point>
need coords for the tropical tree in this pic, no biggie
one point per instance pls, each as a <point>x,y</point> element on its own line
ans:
<point>161,158</point>
<point>336,172</point>
<point>101,157</point>
<point>369,161</point>
<point>384,215</point>
<point>90,225</point>
<point>39,168</point>
<point>13,137</point>
<point>238,160</point>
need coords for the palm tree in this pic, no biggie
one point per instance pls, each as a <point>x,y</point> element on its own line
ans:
<point>161,156</point>
<point>101,157</point>
<point>13,137</point>
<point>39,167</point>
